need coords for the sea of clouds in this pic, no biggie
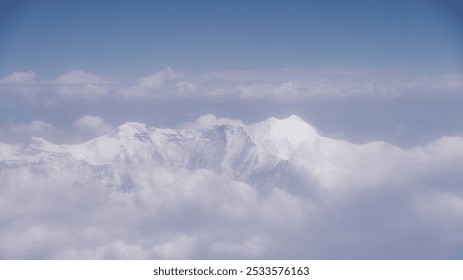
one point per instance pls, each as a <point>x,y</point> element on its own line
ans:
<point>343,201</point>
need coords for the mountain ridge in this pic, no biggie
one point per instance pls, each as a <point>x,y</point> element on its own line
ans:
<point>266,153</point>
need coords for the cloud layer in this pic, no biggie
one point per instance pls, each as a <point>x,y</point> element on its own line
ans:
<point>284,85</point>
<point>339,200</point>
<point>358,105</point>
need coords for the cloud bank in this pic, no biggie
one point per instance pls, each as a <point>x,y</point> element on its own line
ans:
<point>326,198</point>
<point>259,85</point>
<point>359,105</point>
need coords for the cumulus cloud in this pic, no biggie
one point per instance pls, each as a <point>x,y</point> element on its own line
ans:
<point>211,120</point>
<point>92,126</point>
<point>20,78</point>
<point>21,84</point>
<point>167,83</point>
<point>79,84</point>
<point>89,122</point>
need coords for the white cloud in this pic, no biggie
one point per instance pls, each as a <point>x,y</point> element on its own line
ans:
<point>283,85</point>
<point>343,200</point>
<point>92,126</point>
<point>87,92</point>
<point>89,122</point>
<point>447,83</point>
<point>79,84</point>
<point>114,250</point>
<point>19,78</point>
<point>185,88</point>
<point>79,77</point>
<point>289,86</point>
<point>21,84</point>
<point>211,120</point>
<point>163,84</point>
<point>181,247</point>
<point>35,126</point>
<point>157,80</point>
<point>294,90</point>
<point>74,85</point>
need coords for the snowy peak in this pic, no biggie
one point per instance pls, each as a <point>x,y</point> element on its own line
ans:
<point>128,130</point>
<point>292,128</point>
<point>283,137</point>
<point>262,154</point>
<point>37,145</point>
<point>132,127</point>
<point>210,142</point>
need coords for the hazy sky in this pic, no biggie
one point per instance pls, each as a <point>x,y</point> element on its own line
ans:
<point>361,70</point>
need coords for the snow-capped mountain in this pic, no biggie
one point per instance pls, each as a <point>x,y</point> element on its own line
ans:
<point>263,154</point>
<point>218,188</point>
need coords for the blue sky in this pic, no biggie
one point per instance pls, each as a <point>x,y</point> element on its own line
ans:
<point>134,37</point>
<point>363,70</point>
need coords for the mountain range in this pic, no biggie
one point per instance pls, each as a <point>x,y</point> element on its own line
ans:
<point>272,153</point>
<point>220,188</point>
